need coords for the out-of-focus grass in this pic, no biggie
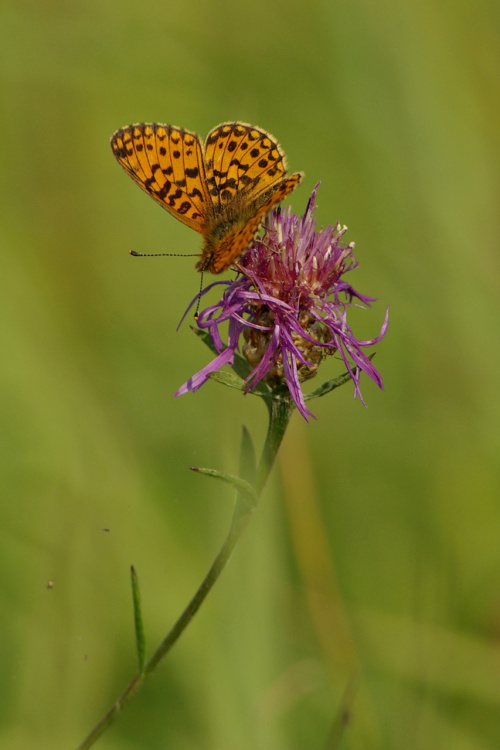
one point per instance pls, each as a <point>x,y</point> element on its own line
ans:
<point>376,547</point>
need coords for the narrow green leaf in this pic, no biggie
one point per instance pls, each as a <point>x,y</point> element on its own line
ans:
<point>227,378</point>
<point>241,485</point>
<point>205,337</point>
<point>330,385</point>
<point>241,366</point>
<point>140,638</point>
<point>234,381</point>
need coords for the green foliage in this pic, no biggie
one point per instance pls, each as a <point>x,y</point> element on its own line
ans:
<point>140,636</point>
<point>377,552</point>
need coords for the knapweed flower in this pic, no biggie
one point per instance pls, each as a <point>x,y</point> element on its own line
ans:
<point>287,309</point>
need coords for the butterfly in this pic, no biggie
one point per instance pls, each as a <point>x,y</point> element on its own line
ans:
<point>222,188</point>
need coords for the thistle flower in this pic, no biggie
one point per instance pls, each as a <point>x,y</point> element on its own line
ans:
<point>287,308</point>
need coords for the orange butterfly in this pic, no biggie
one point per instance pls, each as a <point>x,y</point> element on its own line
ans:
<point>223,189</point>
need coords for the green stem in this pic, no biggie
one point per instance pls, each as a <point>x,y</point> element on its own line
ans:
<point>280,411</point>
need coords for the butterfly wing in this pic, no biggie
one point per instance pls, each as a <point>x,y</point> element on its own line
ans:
<point>220,255</point>
<point>167,162</point>
<point>241,159</point>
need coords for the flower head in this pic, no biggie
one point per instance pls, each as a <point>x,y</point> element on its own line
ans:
<point>289,306</point>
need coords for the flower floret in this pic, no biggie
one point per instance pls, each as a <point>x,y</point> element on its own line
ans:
<point>288,306</point>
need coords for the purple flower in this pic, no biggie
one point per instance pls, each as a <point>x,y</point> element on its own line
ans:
<point>289,305</point>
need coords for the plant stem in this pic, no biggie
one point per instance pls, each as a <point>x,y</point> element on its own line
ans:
<point>280,412</point>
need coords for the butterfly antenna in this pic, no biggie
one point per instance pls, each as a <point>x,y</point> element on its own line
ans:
<point>199,295</point>
<point>162,255</point>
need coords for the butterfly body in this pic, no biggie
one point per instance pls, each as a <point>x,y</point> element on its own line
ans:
<point>223,189</point>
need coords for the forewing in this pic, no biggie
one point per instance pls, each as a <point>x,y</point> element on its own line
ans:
<point>241,158</point>
<point>232,245</point>
<point>167,162</point>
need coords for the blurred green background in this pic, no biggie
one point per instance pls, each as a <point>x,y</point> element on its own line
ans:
<point>376,549</point>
